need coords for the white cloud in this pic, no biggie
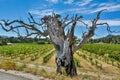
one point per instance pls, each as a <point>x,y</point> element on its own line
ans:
<point>76,11</point>
<point>95,7</point>
<point>1,22</point>
<point>69,2</point>
<point>82,7</point>
<point>34,12</point>
<point>83,2</point>
<point>92,5</point>
<point>53,1</point>
<point>110,8</point>
<point>110,22</point>
<point>107,4</point>
<point>41,13</point>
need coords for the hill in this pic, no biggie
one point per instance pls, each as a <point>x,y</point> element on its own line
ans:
<point>108,39</point>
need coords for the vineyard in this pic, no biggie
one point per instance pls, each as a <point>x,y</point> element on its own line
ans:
<point>32,51</point>
<point>107,50</point>
<point>22,51</point>
<point>89,59</point>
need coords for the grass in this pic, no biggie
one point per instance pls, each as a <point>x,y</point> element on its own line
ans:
<point>45,72</point>
<point>8,65</point>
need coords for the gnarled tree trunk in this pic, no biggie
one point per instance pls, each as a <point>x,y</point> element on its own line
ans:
<point>64,58</point>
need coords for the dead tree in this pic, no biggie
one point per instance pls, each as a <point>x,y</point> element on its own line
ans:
<point>54,26</point>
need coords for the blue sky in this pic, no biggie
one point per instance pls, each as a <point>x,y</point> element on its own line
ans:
<point>18,9</point>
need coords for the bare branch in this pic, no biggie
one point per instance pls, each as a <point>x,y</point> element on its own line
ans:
<point>65,19</point>
<point>90,33</point>
<point>21,25</point>
<point>83,22</point>
<point>31,17</point>
<point>98,16</point>
<point>108,27</point>
<point>10,28</point>
<point>71,34</point>
<point>75,19</point>
<point>30,34</point>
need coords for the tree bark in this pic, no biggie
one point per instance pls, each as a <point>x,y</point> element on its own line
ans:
<point>64,58</point>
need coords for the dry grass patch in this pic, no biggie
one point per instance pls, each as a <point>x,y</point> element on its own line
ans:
<point>7,65</point>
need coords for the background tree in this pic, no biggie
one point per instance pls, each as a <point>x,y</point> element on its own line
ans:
<point>55,26</point>
<point>114,39</point>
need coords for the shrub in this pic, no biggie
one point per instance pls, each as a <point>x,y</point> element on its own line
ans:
<point>41,42</point>
<point>22,56</point>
